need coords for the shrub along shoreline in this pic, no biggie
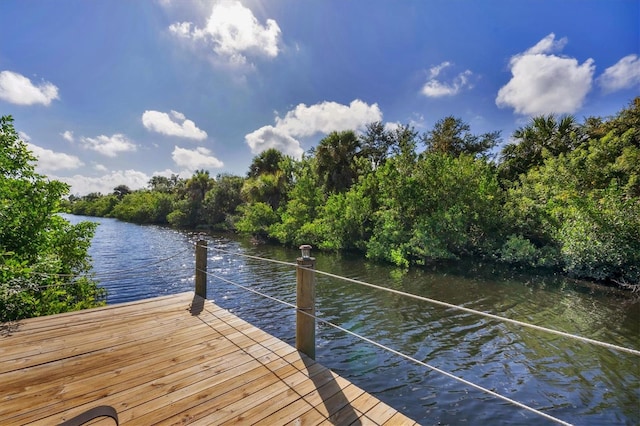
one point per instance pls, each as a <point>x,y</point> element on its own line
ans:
<point>44,262</point>
<point>560,195</point>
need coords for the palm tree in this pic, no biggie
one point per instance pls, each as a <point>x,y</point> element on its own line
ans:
<point>199,184</point>
<point>268,178</point>
<point>543,137</point>
<point>266,162</point>
<point>335,161</point>
<point>453,136</point>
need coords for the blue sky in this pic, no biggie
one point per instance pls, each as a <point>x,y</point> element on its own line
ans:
<point>115,91</point>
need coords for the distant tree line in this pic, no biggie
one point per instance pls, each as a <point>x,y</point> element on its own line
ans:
<point>560,195</point>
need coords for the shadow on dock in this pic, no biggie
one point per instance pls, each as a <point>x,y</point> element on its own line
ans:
<point>197,305</point>
<point>333,397</point>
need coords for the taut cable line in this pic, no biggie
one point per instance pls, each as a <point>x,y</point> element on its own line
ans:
<point>488,315</point>
<point>449,305</point>
<point>395,352</point>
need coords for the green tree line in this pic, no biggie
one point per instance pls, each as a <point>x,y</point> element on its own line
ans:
<point>560,194</point>
<point>44,264</point>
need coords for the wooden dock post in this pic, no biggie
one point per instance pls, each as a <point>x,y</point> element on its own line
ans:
<point>305,303</point>
<point>201,268</point>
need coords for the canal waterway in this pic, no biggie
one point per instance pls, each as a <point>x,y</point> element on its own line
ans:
<point>576,382</point>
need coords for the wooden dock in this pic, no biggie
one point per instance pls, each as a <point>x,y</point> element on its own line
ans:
<point>177,359</point>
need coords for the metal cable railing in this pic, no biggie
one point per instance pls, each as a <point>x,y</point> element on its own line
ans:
<point>303,312</point>
<point>449,305</point>
<point>398,353</point>
<point>138,271</point>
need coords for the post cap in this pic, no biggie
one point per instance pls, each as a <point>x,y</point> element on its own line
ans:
<point>306,251</point>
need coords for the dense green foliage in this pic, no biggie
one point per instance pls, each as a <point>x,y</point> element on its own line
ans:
<point>562,195</point>
<point>41,254</point>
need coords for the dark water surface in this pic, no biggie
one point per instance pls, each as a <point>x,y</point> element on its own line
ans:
<point>576,382</point>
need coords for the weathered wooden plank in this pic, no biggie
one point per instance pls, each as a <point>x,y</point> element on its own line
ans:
<point>33,325</point>
<point>101,372</point>
<point>292,412</point>
<point>116,376</point>
<point>288,389</point>
<point>365,402</point>
<point>292,397</point>
<point>143,393</point>
<point>87,388</point>
<point>398,420</point>
<point>108,336</point>
<point>85,342</point>
<point>176,405</point>
<point>381,413</point>
<point>251,354</point>
<point>49,340</point>
<point>340,405</point>
<point>245,398</point>
<point>160,361</point>
<point>311,409</point>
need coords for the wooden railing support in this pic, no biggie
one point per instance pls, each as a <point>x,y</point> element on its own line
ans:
<point>201,269</point>
<point>305,303</point>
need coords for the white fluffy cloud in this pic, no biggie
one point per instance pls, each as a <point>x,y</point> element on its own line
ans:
<point>49,160</point>
<point>272,137</point>
<point>545,83</point>
<point>82,185</point>
<point>192,159</point>
<point>67,135</point>
<point>109,146</point>
<point>435,88</point>
<point>18,89</point>
<point>304,121</point>
<point>233,31</point>
<point>327,117</point>
<point>623,75</point>
<point>173,124</point>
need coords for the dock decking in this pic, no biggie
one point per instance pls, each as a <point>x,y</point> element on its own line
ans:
<point>177,359</point>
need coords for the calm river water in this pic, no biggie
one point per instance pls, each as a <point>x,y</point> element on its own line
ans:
<point>576,382</point>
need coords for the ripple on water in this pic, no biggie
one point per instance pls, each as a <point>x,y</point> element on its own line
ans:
<point>578,383</point>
